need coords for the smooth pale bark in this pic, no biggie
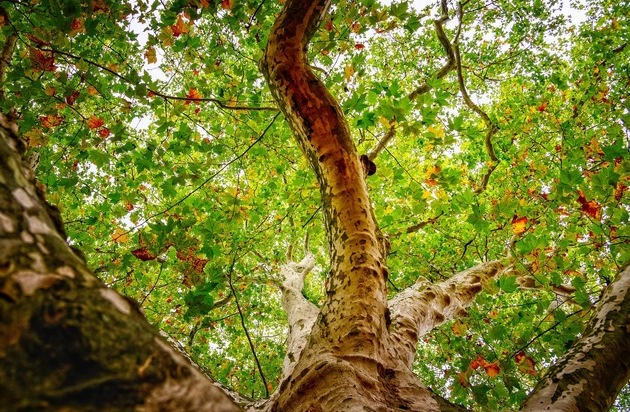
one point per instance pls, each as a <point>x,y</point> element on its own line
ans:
<point>67,342</point>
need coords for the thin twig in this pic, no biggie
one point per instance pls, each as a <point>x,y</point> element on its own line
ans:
<point>416,227</point>
<point>249,339</point>
<point>218,102</point>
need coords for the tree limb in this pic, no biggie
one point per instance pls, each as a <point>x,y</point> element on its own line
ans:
<point>356,246</point>
<point>420,308</point>
<point>592,373</point>
<point>301,313</point>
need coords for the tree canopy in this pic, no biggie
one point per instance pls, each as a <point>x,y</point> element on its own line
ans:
<point>490,131</point>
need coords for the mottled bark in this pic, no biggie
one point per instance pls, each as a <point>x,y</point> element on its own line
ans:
<point>418,309</point>
<point>346,363</point>
<point>592,373</point>
<point>66,340</point>
<point>355,244</point>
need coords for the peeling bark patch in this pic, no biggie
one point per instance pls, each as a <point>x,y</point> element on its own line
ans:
<point>24,199</point>
<point>37,226</point>
<point>27,237</point>
<point>30,282</point>
<point>66,271</point>
<point>115,299</point>
<point>7,225</point>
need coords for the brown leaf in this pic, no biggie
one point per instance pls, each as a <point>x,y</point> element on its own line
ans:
<point>143,254</point>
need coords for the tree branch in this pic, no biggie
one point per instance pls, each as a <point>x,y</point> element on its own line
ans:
<point>424,87</point>
<point>492,128</point>
<point>242,318</point>
<point>218,102</point>
<point>420,308</point>
<point>592,373</point>
<point>301,313</point>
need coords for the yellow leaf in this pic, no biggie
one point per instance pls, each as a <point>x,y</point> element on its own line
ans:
<point>35,137</point>
<point>432,170</point>
<point>436,131</point>
<point>119,236</point>
<point>232,102</point>
<point>519,224</point>
<point>150,55</point>
<point>349,70</point>
<point>384,121</point>
<point>459,328</point>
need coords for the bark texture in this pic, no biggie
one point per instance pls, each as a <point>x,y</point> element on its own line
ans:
<point>592,373</point>
<point>347,362</point>
<point>67,342</point>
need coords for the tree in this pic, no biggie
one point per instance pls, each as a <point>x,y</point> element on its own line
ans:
<point>478,248</point>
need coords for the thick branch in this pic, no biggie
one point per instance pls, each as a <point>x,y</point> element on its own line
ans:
<point>592,373</point>
<point>420,308</point>
<point>301,313</point>
<point>66,340</point>
<point>356,246</point>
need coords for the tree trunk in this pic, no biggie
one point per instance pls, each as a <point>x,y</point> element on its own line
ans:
<point>67,342</point>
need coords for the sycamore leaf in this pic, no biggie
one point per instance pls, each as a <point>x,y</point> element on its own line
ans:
<point>349,71</point>
<point>50,120</point>
<point>103,132</point>
<point>519,224</point>
<point>492,369</point>
<point>193,95</point>
<point>180,27</point>
<point>525,363</point>
<point>42,61</point>
<point>35,137</point>
<point>143,254</point>
<point>436,131</point>
<point>92,91</point>
<point>478,362</point>
<point>72,98</point>
<point>119,235</point>
<point>151,55</point>
<point>50,91</point>
<point>227,4</point>
<point>459,328</point>
<point>590,207</point>
<point>95,122</point>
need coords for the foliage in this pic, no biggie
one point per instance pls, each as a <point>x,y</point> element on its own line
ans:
<point>179,180</point>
